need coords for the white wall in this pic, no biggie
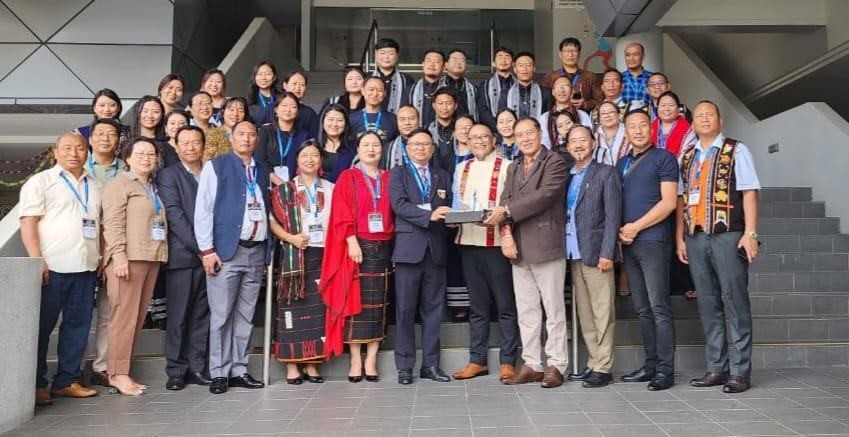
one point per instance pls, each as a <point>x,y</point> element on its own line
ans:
<point>813,139</point>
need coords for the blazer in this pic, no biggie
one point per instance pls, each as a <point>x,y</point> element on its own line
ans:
<point>414,232</point>
<point>178,190</point>
<point>537,207</point>
<point>598,213</point>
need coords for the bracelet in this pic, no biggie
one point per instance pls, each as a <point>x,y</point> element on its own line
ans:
<point>207,252</point>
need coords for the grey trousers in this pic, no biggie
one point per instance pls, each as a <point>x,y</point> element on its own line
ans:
<point>232,295</point>
<point>722,280</point>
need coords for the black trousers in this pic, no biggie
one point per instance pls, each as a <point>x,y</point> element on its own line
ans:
<point>187,332</point>
<point>422,286</point>
<point>489,278</point>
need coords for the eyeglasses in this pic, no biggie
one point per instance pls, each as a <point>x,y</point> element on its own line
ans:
<point>145,155</point>
<point>479,138</point>
<point>657,83</point>
<point>420,145</point>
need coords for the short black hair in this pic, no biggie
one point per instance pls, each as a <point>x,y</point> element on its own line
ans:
<point>168,78</point>
<point>109,94</point>
<point>109,121</point>
<point>383,43</point>
<point>570,40</point>
<point>291,73</point>
<point>198,93</point>
<point>658,73</point>
<point>579,126</point>
<point>710,102</point>
<point>444,90</point>
<point>526,53</point>
<point>526,118</point>
<point>672,95</point>
<point>190,128</point>
<point>128,149</point>
<point>612,70</point>
<point>503,49</point>
<point>635,112</point>
<point>433,50</point>
<point>457,50</point>
<point>420,130</point>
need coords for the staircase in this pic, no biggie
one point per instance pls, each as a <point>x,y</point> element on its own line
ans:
<point>799,290</point>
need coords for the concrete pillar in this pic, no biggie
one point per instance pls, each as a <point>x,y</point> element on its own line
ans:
<point>21,279</point>
<point>652,41</point>
<point>306,34</point>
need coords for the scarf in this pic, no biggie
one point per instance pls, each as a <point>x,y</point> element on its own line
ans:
<point>470,95</point>
<point>610,152</point>
<point>534,100</point>
<point>397,153</point>
<point>396,88</point>
<point>493,93</point>
<point>287,212</point>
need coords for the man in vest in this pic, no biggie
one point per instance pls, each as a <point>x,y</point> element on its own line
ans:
<point>492,94</point>
<point>717,226</point>
<point>478,184</point>
<point>455,79</point>
<point>231,228</point>
<point>421,96</point>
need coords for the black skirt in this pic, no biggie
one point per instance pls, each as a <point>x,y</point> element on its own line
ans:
<point>299,325</point>
<point>370,324</point>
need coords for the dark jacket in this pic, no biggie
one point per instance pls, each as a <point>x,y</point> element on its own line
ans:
<point>178,190</point>
<point>414,232</point>
<point>598,213</point>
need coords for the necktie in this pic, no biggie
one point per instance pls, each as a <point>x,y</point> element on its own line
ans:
<point>423,174</point>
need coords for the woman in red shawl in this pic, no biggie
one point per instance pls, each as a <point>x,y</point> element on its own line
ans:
<point>357,260</point>
<point>670,129</point>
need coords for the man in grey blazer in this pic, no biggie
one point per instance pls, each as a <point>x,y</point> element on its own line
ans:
<point>532,205</point>
<point>593,211</point>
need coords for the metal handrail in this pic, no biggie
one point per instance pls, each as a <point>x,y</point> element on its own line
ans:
<point>368,48</point>
<point>494,43</point>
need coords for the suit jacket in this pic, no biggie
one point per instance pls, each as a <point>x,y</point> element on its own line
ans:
<point>178,190</point>
<point>598,213</point>
<point>414,232</point>
<point>537,207</point>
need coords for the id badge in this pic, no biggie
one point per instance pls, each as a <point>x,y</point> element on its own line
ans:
<point>316,233</point>
<point>568,228</point>
<point>694,197</point>
<point>282,172</point>
<point>425,206</point>
<point>375,222</point>
<point>255,212</point>
<point>157,230</point>
<point>90,229</point>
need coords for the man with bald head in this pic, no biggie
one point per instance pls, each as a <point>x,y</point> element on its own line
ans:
<point>231,229</point>
<point>635,77</point>
<point>478,184</point>
<point>59,217</point>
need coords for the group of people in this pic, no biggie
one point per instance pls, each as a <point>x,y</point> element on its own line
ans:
<point>356,208</point>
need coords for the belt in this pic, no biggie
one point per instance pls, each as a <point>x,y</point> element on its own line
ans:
<point>250,243</point>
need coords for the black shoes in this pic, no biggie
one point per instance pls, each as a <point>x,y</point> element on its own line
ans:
<point>434,373</point>
<point>175,384</point>
<point>597,379</point>
<point>372,378</point>
<point>580,376</point>
<point>736,384</point>
<point>315,379</point>
<point>405,376</point>
<point>709,380</point>
<point>661,381</point>
<point>218,386</point>
<point>295,381</point>
<point>640,375</point>
<point>245,381</point>
<point>197,378</point>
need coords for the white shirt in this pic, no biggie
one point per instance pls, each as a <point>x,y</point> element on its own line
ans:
<point>205,209</point>
<point>310,218</point>
<point>583,119</point>
<point>744,165</point>
<point>60,230</point>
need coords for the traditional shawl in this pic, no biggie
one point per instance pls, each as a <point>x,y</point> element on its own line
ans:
<point>470,95</point>
<point>396,89</point>
<point>535,99</point>
<point>493,93</point>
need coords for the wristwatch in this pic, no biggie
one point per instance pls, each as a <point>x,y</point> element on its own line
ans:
<point>753,235</point>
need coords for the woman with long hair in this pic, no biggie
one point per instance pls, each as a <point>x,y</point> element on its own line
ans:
<point>263,93</point>
<point>334,138</point>
<point>278,140</point>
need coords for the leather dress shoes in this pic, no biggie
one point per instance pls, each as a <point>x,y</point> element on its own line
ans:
<point>736,384</point>
<point>597,379</point>
<point>661,381</point>
<point>552,378</point>
<point>640,375</point>
<point>526,374</point>
<point>197,378</point>
<point>580,376</point>
<point>175,384</point>
<point>508,372</point>
<point>405,376</point>
<point>42,397</point>
<point>245,381</point>
<point>99,378</point>
<point>709,380</point>
<point>75,390</point>
<point>471,370</point>
<point>218,385</point>
<point>434,373</point>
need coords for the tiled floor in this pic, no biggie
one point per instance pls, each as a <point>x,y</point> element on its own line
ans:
<point>792,402</point>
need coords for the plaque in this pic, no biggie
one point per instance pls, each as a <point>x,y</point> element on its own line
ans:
<point>460,217</point>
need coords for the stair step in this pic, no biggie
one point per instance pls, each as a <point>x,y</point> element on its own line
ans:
<point>801,262</point>
<point>825,243</point>
<point>799,281</point>
<point>799,226</point>
<point>791,210</point>
<point>785,194</point>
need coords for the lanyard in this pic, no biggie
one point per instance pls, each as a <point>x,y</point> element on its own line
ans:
<point>153,197</point>
<point>424,185</point>
<point>284,153</point>
<point>698,176</point>
<point>84,204</point>
<point>251,183</point>
<point>574,190</point>
<point>312,198</point>
<point>114,167</point>
<point>661,138</point>
<point>630,162</point>
<point>403,143</point>
<point>376,122</point>
<point>575,77</point>
<point>374,189</point>
<point>263,101</point>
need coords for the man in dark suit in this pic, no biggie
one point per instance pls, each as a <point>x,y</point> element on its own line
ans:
<point>594,211</point>
<point>421,196</point>
<point>532,204</point>
<point>185,281</point>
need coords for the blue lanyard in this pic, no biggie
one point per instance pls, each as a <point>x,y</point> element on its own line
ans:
<point>263,101</point>
<point>153,197</point>
<point>77,193</point>
<point>376,122</point>
<point>114,167</point>
<point>251,183</point>
<point>404,158</point>
<point>661,138</point>
<point>629,160</point>
<point>710,153</point>
<point>574,190</point>
<point>374,189</point>
<point>312,198</point>
<point>283,153</point>
<point>424,185</point>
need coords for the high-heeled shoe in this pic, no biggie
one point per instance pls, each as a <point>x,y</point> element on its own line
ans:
<point>372,378</point>
<point>295,381</point>
<point>315,379</point>
<point>355,379</point>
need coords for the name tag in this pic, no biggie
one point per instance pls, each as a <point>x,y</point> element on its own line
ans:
<point>694,197</point>
<point>157,230</point>
<point>89,229</point>
<point>282,172</point>
<point>425,206</point>
<point>316,233</point>
<point>375,222</point>
<point>255,213</point>
<point>568,228</point>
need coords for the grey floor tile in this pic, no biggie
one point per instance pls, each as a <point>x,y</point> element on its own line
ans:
<point>444,410</point>
<point>327,425</point>
<point>723,416</point>
<point>441,432</point>
<point>656,406</point>
<point>718,404</point>
<point>771,403</point>
<point>620,418</point>
<point>195,428</point>
<point>577,430</point>
<point>377,433</point>
<point>327,413</point>
<point>647,396</point>
<point>757,429</point>
<point>381,423</point>
<point>605,407</point>
<point>560,419</point>
<point>835,413</point>
<point>500,421</point>
<point>818,427</point>
<point>447,422</point>
<point>783,415</point>
<point>631,431</point>
<point>706,429</point>
<point>823,402</point>
<point>43,420</point>
<point>662,417</point>
<point>372,411</point>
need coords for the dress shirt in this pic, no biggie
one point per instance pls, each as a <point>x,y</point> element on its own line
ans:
<point>744,166</point>
<point>103,173</point>
<point>60,229</point>
<point>573,252</point>
<point>634,87</point>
